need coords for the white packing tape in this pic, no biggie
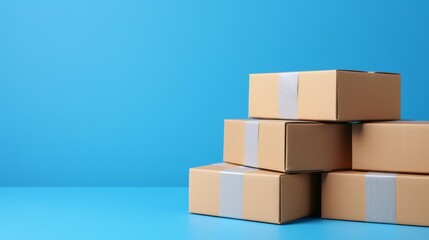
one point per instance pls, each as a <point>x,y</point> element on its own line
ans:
<point>231,192</point>
<point>251,143</point>
<point>288,95</point>
<point>380,197</point>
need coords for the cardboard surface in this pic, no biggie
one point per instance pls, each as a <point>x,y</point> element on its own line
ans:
<point>333,95</point>
<point>345,197</point>
<point>291,146</point>
<point>391,146</point>
<point>263,196</point>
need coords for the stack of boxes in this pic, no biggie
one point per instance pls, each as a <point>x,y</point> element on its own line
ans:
<point>271,170</point>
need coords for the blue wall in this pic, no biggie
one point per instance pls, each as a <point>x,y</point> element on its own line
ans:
<point>135,92</point>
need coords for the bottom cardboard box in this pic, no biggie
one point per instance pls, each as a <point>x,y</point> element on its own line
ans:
<point>376,197</point>
<point>234,191</point>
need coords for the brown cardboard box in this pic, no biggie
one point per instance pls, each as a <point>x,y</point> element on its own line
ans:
<point>233,191</point>
<point>391,146</point>
<point>288,146</point>
<point>376,197</point>
<point>334,95</point>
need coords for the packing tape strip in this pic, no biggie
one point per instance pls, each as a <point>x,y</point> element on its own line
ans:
<point>288,95</point>
<point>251,143</point>
<point>231,192</point>
<point>380,193</point>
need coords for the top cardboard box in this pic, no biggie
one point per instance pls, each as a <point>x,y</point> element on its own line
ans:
<point>333,95</point>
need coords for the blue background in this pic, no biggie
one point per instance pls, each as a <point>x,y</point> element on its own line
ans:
<point>133,93</point>
<point>148,213</point>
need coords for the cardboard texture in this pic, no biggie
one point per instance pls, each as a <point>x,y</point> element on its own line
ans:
<point>288,146</point>
<point>333,95</point>
<point>376,197</point>
<point>233,191</point>
<point>391,146</point>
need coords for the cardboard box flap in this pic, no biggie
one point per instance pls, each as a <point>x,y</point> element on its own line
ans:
<point>344,70</point>
<point>232,168</point>
<point>402,122</point>
<point>216,167</point>
<point>386,73</point>
<point>273,120</point>
<point>348,70</point>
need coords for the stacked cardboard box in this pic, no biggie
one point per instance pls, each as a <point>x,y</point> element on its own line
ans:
<point>396,188</point>
<point>271,165</point>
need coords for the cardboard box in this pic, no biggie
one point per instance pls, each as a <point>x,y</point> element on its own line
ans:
<point>376,197</point>
<point>391,146</point>
<point>233,191</point>
<point>334,95</point>
<point>288,146</point>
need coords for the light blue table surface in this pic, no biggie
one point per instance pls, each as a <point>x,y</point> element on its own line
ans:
<point>155,213</point>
